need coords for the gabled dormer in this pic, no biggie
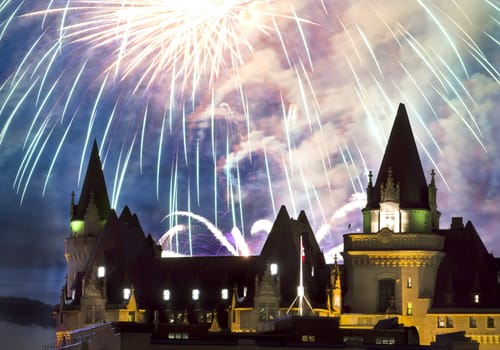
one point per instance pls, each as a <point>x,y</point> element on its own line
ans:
<point>400,199</point>
<point>389,204</point>
<point>283,248</point>
<point>89,215</point>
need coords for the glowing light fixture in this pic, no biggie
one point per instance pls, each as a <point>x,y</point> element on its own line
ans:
<point>77,226</point>
<point>166,294</point>
<point>224,293</point>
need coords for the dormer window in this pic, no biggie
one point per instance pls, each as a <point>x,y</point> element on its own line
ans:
<point>126,293</point>
<point>101,272</point>
<point>476,298</point>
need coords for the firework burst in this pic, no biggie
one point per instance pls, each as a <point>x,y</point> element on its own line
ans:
<point>231,108</point>
<point>188,41</point>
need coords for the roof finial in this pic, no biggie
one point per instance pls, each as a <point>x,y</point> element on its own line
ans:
<point>72,209</point>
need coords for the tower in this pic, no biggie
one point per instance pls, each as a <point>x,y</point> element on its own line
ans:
<point>88,218</point>
<point>391,267</point>
<point>401,200</point>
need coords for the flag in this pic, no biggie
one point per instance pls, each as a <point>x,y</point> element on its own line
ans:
<point>302,251</point>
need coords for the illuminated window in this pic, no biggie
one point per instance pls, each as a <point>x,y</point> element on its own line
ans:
<point>472,322</point>
<point>224,293</point>
<point>274,269</point>
<point>385,340</point>
<point>441,322</point>
<point>409,308</point>
<point>101,272</point>
<point>449,322</point>
<point>476,298</point>
<point>166,294</point>
<point>390,219</point>
<point>490,322</point>
<point>126,293</point>
<point>195,294</point>
<point>409,283</point>
<point>308,338</point>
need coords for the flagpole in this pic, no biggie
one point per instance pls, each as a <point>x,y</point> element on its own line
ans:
<point>301,279</point>
<point>301,297</point>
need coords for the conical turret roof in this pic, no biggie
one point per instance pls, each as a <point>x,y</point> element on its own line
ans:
<point>93,185</point>
<point>401,157</point>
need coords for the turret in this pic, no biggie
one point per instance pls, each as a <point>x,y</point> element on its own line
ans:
<point>398,244</point>
<point>88,218</point>
<point>400,200</point>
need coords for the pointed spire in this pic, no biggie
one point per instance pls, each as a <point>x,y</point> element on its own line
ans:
<point>401,155</point>
<point>94,182</point>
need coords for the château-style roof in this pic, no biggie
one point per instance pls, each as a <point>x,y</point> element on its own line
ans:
<point>467,269</point>
<point>93,185</point>
<point>132,259</point>
<point>401,157</point>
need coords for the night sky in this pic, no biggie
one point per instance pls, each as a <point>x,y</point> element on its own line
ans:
<point>299,119</point>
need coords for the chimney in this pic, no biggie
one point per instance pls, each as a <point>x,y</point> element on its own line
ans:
<point>457,223</point>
